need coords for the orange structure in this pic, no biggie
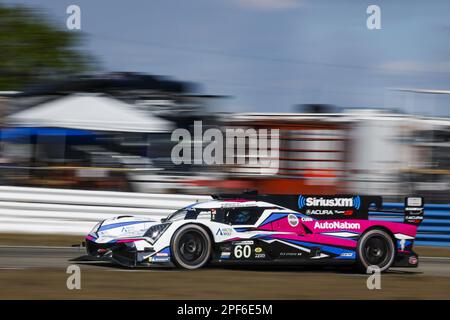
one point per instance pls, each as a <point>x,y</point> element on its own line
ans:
<point>313,153</point>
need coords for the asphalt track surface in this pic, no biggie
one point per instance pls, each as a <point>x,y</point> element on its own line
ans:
<point>39,272</point>
<point>23,257</point>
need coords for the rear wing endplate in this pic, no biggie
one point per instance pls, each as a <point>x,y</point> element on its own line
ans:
<point>414,210</point>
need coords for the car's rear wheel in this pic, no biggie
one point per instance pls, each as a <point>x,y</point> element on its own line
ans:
<point>375,248</point>
<point>191,247</point>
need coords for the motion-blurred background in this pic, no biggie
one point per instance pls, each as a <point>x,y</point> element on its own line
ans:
<point>91,92</point>
<point>359,111</point>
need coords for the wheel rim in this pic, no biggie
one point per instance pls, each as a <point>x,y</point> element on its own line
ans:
<point>376,251</point>
<point>192,245</point>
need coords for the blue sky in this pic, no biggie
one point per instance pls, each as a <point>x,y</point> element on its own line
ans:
<point>272,54</point>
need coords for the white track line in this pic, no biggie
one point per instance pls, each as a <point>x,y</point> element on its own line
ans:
<point>439,258</point>
<point>82,249</point>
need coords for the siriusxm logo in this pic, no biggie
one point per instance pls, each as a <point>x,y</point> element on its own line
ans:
<point>336,202</point>
<point>348,202</point>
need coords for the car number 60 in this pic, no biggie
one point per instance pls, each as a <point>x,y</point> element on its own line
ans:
<point>242,251</point>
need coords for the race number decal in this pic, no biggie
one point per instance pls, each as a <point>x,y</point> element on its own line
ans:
<point>242,251</point>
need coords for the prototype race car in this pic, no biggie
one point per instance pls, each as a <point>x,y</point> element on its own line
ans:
<point>263,229</point>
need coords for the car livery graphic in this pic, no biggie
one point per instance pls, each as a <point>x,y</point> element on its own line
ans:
<point>263,229</point>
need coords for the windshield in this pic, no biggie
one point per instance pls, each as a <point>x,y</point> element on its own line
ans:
<point>177,215</point>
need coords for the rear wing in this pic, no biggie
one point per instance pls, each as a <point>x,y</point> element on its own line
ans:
<point>318,207</point>
<point>414,210</point>
<point>334,206</point>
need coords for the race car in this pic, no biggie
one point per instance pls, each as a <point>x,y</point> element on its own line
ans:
<point>263,229</point>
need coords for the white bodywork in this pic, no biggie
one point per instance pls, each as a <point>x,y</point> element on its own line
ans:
<point>133,228</point>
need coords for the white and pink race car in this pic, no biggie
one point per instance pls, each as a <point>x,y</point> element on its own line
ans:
<point>263,229</point>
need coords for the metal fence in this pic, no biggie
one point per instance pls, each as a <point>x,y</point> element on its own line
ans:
<point>65,211</point>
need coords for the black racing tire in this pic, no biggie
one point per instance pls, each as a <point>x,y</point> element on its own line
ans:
<point>376,248</point>
<point>191,247</point>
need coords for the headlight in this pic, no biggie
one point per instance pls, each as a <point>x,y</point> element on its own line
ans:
<point>154,232</point>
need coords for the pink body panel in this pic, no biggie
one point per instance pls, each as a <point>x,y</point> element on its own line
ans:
<point>290,231</point>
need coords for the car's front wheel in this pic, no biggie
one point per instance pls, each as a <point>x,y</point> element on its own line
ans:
<point>375,248</point>
<point>191,247</point>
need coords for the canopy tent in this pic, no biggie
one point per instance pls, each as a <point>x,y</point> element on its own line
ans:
<point>89,112</point>
<point>14,133</point>
<point>27,135</point>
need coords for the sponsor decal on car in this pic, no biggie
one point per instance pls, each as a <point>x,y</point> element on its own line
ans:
<point>348,202</point>
<point>290,254</point>
<point>158,259</point>
<point>319,212</point>
<point>414,219</point>
<point>347,254</point>
<point>344,212</point>
<point>224,232</point>
<point>128,229</point>
<point>293,220</point>
<point>162,254</point>
<point>337,225</point>
<point>413,210</point>
<point>243,242</point>
<point>237,204</point>
<point>413,260</point>
<point>323,212</point>
<point>414,202</point>
<point>258,249</point>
